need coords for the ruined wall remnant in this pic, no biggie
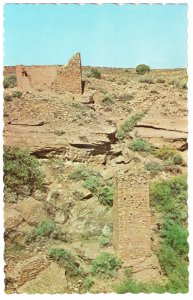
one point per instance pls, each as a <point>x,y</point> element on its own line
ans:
<point>132,225</point>
<point>69,78</point>
<point>60,78</point>
<point>9,70</point>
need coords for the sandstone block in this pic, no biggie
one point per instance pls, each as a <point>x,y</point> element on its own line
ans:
<point>51,280</point>
<point>31,210</point>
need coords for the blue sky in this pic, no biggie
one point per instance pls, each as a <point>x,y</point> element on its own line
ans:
<point>106,35</point>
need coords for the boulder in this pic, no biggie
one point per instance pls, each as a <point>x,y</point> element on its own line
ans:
<point>31,210</point>
<point>12,217</point>
<point>82,193</point>
<point>163,131</point>
<point>87,219</point>
<point>27,270</point>
<point>51,280</point>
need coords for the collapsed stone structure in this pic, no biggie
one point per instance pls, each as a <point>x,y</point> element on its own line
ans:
<point>59,78</point>
<point>132,226</point>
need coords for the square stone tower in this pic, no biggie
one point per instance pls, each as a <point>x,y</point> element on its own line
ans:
<point>132,225</point>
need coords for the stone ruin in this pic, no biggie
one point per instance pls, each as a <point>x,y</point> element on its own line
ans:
<point>132,226</point>
<point>59,78</point>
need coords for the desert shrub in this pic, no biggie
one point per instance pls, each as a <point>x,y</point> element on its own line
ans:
<point>17,94</point>
<point>87,283</point>
<point>169,154</point>
<point>170,197</point>
<point>177,159</point>
<point>131,286</point>
<point>10,81</point>
<point>160,80</point>
<point>126,97</point>
<point>21,169</point>
<point>106,265</point>
<point>8,98</point>
<point>142,69</point>
<point>179,83</point>
<point>146,80</point>
<point>105,238</point>
<point>141,145</point>
<point>67,260</point>
<point>166,193</point>
<point>81,173</point>
<point>44,229</point>
<point>154,92</point>
<point>95,73</point>
<point>154,168</point>
<point>165,152</point>
<point>111,79</point>
<point>92,183</point>
<point>129,124</point>
<point>105,195</point>
<point>108,100</point>
<point>175,236</point>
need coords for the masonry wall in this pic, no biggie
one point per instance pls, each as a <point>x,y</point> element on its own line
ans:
<point>69,78</point>
<point>35,77</point>
<point>131,210</point>
<point>60,78</point>
<point>8,70</point>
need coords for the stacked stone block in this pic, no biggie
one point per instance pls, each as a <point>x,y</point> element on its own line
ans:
<point>132,217</point>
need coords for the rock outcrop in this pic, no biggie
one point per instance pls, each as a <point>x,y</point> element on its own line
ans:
<point>27,270</point>
<point>163,131</point>
<point>52,280</point>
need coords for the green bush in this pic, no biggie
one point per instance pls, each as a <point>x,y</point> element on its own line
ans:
<point>106,265</point>
<point>44,229</point>
<point>129,124</point>
<point>92,183</point>
<point>10,81</point>
<point>179,83</point>
<point>134,287</point>
<point>87,283</point>
<point>141,145</point>
<point>21,169</point>
<point>175,236</point>
<point>105,238</point>
<point>165,152</point>
<point>177,159</point>
<point>154,168</point>
<point>142,69</point>
<point>146,80</point>
<point>166,194</point>
<point>108,100</point>
<point>105,195</point>
<point>17,94</point>
<point>170,197</point>
<point>67,260</point>
<point>169,154</point>
<point>95,73</point>
<point>81,173</point>
<point>175,267</point>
